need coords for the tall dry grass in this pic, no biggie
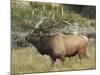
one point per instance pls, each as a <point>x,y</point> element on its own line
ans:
<point>28,60</point>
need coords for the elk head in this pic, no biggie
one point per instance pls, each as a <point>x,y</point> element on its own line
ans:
<point>38,31</point>
<point>34,36</point>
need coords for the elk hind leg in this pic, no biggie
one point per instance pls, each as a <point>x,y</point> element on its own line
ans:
<point>81,53</point>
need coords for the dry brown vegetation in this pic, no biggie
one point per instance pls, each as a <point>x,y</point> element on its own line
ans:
<point>28,60</point>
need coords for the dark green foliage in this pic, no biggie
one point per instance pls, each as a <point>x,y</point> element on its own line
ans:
<point>85,11</point>
<point>89,12</point>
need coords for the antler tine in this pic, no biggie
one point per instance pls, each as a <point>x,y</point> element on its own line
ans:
<point>40,22</point>
<point>67,22</point>
<point>31,25</point>
<point>54,24</point>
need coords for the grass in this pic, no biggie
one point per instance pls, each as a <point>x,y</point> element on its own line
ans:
<point>28,60</point>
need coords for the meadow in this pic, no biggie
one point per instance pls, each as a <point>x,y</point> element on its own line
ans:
<point>28,60</point>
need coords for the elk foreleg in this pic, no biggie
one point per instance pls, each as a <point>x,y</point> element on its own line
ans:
<point>62,59</point>
<point>53,61</point>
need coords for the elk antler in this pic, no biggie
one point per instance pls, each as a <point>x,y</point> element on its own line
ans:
<point>66,22</point>
<point>40,22</point>
<point>54,24</point>
<point>31,25</point>
<point>37,25</point>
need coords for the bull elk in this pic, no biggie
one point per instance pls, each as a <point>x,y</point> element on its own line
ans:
<point>57,45</point>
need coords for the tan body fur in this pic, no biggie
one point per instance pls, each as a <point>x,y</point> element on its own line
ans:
<point>67,44</point>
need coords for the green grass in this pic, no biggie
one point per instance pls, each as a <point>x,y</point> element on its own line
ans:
<point>28,60</point>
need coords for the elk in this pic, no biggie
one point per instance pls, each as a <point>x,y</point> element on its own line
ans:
<point>57,45</point>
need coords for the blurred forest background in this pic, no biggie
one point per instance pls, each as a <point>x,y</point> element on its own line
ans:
<point>77,19</point>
